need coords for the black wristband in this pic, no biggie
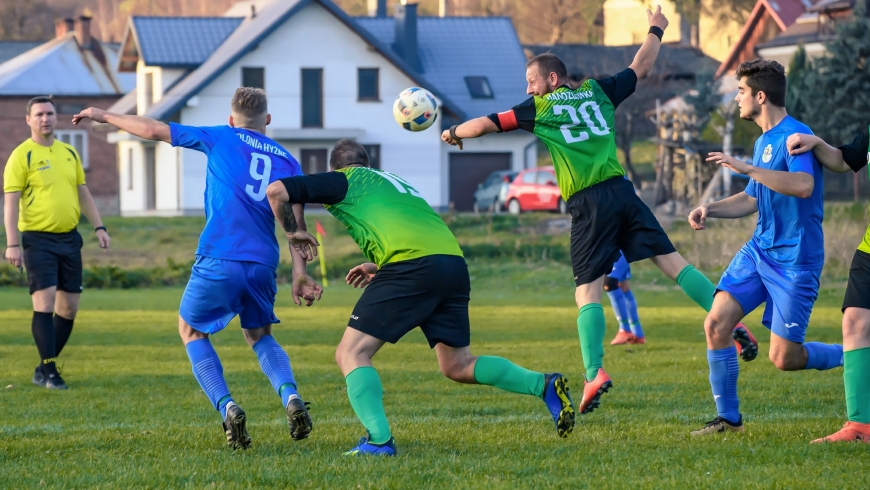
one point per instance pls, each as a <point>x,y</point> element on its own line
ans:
<point>100,228</point>
<point>453,132</point>
<point>657,32</point>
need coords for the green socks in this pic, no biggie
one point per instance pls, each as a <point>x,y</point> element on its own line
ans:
<point>856,377</point>
<point>366,397</point>
<point>697,287</point>
<point>591,327</point>
<point>503,374</point>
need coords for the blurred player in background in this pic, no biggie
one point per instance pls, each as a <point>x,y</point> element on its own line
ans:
<point>45,194</point>
<point>236,261</point>
<point>418,278</point>
<point>618,288</point>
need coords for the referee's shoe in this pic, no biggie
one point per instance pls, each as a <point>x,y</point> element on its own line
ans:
<point>52,381</point>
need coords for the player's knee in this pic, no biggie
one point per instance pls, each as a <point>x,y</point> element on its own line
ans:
<point>786,359</point>
<point>716,327</point>
<point>66,311</point>
<point>855,326</point>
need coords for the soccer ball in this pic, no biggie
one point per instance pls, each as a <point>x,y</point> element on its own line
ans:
<point>415,109</point>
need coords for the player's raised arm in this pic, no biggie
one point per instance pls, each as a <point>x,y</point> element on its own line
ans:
<point>142,127</point>
<point>840,160</point>
<point>649,51</point>
<point>474,128</point>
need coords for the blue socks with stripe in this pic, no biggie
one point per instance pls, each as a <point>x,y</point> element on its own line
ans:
<point>723,380</point>
<point>276,365</point>
<point>617,301</point>
<point>823,356</point>
<point>209,372</point>
<point>633,318</point>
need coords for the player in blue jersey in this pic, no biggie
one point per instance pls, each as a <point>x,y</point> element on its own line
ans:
<point>618,288</point>
<point>782,262</point>
<point>236,261</point>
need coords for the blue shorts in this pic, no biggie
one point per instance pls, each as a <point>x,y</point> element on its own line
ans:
<point>621,270</point>
<point>219,290</point>
<point>789,294</point>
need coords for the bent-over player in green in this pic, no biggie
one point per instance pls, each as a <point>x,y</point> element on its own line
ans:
<point>577,125</point>
<point>417,277</point>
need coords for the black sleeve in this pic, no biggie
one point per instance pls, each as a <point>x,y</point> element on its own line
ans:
<point>620,86</point>
<point>521,116</point>
<point>856,152</point>
<point>324,188</point>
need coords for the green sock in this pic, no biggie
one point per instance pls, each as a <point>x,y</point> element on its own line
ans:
<point>591,326</point>
<point>503,374</point>
<point>856,377</point>
<point>697,287</point>
<point>367,399</point>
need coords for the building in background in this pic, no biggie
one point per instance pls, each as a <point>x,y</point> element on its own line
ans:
<point>812,30</point>
<point>328,76</point>
<point>78,71</point>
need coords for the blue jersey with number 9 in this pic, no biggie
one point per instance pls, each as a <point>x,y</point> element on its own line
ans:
<point>239,224</point>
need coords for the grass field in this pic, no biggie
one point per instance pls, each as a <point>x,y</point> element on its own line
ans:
<point>135,417</point>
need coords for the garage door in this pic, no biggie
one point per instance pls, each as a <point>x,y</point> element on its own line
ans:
<point>469,169</point>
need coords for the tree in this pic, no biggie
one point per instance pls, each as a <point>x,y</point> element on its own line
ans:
<point>796,100</point>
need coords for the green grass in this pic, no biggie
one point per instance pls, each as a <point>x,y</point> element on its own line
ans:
<point>135,417</point>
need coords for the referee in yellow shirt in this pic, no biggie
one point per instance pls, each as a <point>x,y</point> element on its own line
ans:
<point>45,192</point>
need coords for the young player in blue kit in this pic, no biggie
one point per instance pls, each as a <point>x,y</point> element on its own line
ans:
<point>782,262</point>
<point>624,305</point>
<point>235,268</point>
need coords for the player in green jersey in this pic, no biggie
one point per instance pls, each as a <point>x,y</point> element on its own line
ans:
<point>577,125</point>
<point>417,277</point>
<point>856,303</point>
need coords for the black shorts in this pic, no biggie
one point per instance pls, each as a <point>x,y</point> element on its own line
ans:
<point>430,292</point>
<point>53,259</point>
<point>608,217</point>
<point>858,288</point>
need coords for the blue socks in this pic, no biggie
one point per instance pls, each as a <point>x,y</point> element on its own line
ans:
<point>209,372</point>
<point>633,318</point>
<point>617,301</point>
<point>723,380</point>
<point>276,366</point>
<point>823,356</point>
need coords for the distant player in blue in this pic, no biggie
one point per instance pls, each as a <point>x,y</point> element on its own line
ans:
<point>236,261</point>
<point>782,262</point>
<point>624,306</point>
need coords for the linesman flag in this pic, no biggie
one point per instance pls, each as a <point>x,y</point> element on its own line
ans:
<point>320,234</point>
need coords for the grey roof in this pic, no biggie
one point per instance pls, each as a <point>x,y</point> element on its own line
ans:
<point>251,32</point>
<point>11,49</point>
<point>181,41</point>
<point>452,48</point>
<point>799,33</point>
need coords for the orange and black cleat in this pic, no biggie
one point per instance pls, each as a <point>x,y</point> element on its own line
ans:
<point>592,391</point>
<point>622,338</point>
<point>851,432</point>
<point>747,346</point>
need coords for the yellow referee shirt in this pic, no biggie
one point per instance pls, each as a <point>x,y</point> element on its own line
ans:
<point>48,179</point>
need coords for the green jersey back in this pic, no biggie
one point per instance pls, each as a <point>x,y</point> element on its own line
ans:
<point>577,125</point>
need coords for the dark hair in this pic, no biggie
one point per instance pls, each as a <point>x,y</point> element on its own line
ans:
<point>348,152</point>
<point>42,99</point>
<point>549,63</point>
<point>250,103</point>
<point>766,76</point>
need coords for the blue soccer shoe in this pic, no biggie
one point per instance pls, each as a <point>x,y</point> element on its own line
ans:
<point>365,447</point>
<point>559,403</point>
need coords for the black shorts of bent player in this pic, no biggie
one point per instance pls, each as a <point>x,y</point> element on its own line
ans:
<point>858,288</point>
<point>53,259</point>
<point>430,292</point>
<point>608,217</point>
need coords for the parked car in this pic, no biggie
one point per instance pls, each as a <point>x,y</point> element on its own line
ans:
<point>491,192</point>
<point>535,189</point>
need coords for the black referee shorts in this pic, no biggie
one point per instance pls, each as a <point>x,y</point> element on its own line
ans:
<point>430,292</point>
<point>53,259</point>
<point>858,287</point>
<point>608,217</point>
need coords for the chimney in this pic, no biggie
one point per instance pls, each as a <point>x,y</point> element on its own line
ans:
<point>406,34</point>
<point>377,8</point>
<point>83,31</point>
<point>62,26</point>
<point>443,5</point>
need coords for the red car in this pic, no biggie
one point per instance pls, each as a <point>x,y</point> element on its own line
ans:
<point>535,189</point>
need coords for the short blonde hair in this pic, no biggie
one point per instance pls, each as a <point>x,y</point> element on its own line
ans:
<point>250,104</point>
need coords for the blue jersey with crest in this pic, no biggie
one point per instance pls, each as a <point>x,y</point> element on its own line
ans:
<point>239,224</point>
<point>789,231</point>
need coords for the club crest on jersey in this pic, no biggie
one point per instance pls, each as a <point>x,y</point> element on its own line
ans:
<point>768,154</point>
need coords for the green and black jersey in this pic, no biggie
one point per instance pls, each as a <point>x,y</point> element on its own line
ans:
<point>577,125</point>
<point>385,216</point>
<point>856,154</point>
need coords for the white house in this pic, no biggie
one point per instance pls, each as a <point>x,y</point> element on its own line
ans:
<point>328,76</point>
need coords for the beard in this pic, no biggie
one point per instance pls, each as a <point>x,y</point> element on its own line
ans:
<point>753,112</point>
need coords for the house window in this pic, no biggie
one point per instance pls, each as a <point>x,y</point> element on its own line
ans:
<point>78,139</point>
<point>254,77</point>
<point>367,84</point>
<point>129,169</point>
<point>150,177</point>
<point>312,97</point>
<point>478,87</point>
<point>374,153</point>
